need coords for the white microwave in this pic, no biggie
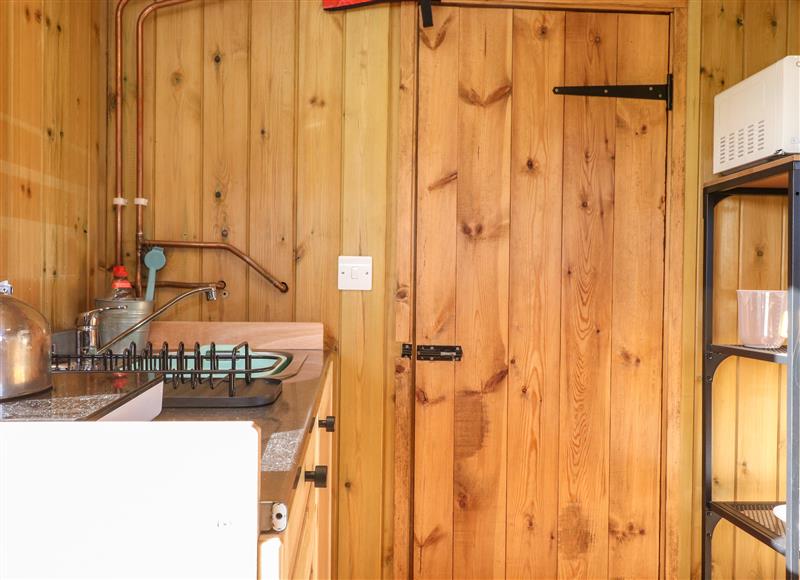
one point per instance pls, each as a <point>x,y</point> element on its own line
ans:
<point>759,117</point>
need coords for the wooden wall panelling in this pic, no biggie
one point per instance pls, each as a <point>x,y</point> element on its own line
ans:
<point>48,151</point>
<point>406,171</point>
<point>721,66</point>
<point>586,299</point>
<point>765,28</point>
<point>405,203</point>
<point>225,151</point>
<point>390,347</point>
<point>21,212</point>
<point>273,102</point>
<point>362,340</point>
<point>680,322</point>
<point>739,37</point>
<point>98,170</point>
<point>482,255</point>
<point>726,271</point>
<point>178,155</point>
<point>761,264</point>
<point>319,167</point>
<point>65,160</point>
<point>760,256</point>
<point>535,295</point>
<point>437,190</point>
<point>637,327</point>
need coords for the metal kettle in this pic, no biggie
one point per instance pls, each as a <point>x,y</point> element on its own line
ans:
<point>25,341</point>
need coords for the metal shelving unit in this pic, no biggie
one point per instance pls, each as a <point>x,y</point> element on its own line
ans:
<point>777,177</point>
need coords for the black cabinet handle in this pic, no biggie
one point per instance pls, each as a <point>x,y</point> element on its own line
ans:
<point>319,476</point>
<point>328,423</point>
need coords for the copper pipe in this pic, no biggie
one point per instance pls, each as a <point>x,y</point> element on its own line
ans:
<point>282,286</point>
<point>118,129</point>
<point>221,285</point>
<point>140,241</point>
<point>147,11</point>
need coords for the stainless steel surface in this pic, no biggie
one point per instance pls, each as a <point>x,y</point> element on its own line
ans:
<point>114,322</point>
<point>211,295</point>
<point>24,349</point>
<point>87,329</point>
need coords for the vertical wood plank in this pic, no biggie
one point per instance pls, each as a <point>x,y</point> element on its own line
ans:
<point>273,75</point>
<point>760,252</point>
<point>178,171</point>
<point>637,304</point>
<point>482,258</point>
<point>406,169</point>
<point>97,201</point>
<point>66,160</point>
<point>362,351</point>
<point>721,65</point>
<point>437,187</point>
<point>224,193</point>
<point>21,129</point>
<point>589,150</point>
<point>535,294</point>
<point>680,317</point>
<point>726,272</point>
<point>319,167</point>
<point>765,33</point>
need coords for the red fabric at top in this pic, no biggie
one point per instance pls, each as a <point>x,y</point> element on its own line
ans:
<point>334,4</point>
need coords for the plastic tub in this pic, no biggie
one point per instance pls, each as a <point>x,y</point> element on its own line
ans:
<point>762,318</point>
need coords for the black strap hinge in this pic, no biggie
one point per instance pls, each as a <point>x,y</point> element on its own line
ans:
<point>651,92</point>
<point>433,352</point>
<point>426,12</point>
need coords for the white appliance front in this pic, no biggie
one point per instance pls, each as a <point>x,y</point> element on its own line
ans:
<point>129,500</point>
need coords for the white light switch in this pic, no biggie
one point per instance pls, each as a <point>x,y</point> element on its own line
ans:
<point>355,272</point>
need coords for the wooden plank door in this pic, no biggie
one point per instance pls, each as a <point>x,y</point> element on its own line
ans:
<point>540,250</point>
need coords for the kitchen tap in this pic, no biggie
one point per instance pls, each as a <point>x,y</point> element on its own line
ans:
<point>211,295</point>
<point>86,329</point>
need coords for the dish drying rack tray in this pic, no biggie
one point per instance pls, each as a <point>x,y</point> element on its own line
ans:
<point>203,377</point>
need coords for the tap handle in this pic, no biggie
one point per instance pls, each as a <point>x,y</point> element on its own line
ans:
<point>89,318</point>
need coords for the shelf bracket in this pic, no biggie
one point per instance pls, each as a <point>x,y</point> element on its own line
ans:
<point>649,92</point>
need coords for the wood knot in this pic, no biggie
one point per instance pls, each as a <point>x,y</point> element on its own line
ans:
<point>472,231</point>
<point>597,39</point>
<point>422,397</point>
<point>217,57</point>
<point>176,78</point>
<point>402,293</point>
<point>530,164</point>
<point>315,101</point>
<point>462,500</point>
<point>542,31</point>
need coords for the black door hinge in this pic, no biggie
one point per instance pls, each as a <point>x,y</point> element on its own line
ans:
<point>651,92</point>
<point>434,352</point>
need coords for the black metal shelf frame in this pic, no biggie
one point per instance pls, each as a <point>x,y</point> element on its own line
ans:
<point>755,518</point>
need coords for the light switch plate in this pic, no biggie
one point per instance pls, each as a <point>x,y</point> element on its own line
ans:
<point>355,272</point>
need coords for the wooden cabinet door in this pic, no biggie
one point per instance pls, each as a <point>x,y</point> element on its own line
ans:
<point>540,250</point>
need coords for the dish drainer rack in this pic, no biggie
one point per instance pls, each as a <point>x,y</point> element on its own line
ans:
<point>776,177</point>
<point>200,377</point>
